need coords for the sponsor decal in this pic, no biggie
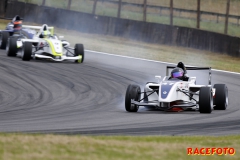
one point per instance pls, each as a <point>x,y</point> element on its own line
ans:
<point>165,88</point>
<point>19,44</point>
<point>211,151</point>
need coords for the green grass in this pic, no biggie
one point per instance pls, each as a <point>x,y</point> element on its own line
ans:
<point>55,147</point>
<point>82,6</point>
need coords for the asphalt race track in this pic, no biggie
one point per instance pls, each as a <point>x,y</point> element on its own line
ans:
<point>88,98</point>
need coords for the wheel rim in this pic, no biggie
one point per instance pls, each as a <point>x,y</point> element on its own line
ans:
<point>211,101</point>
<point>22,51</point>
<point>226,101</point>
<point>7,48</point>
<point>80,59</point>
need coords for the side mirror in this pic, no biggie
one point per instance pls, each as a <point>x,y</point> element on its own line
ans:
<point>158,78</point>
<point>61,37</point>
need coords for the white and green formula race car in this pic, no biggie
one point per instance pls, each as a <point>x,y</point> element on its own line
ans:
<point>45,45</point>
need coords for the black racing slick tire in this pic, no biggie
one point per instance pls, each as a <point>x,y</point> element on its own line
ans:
<point>221,97</point>
<point>133,92</point>
<point>27,51</point>
<point>11,48</point>
<point>79,51</point>
<point>3,40</point>
<point>205,100</point>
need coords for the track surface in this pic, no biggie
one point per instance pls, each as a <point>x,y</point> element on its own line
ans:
<point>88,98</point>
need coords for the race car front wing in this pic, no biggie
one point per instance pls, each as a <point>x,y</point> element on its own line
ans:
<point>59,59</point>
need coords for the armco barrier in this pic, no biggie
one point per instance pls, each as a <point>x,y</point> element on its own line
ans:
<point>137,30</point>
<point>2,8</point>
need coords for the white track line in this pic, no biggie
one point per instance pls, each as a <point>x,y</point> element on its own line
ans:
<point>154,61</point>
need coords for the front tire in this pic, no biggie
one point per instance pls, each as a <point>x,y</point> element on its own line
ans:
<point>133,92</point>
<point>205,100</point>
<point>221,97</point>
<point>79,51</point>
<point>27,51</point>
<point>11,48</point>
<point>3,40</point>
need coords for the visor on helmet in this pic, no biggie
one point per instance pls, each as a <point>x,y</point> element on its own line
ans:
<point>177,74</point>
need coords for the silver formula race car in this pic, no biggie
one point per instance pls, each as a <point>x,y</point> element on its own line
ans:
<point>45,45</point>
<point>178,94</point>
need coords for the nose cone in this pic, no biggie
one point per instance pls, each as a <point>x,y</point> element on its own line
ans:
<point>165,89</point>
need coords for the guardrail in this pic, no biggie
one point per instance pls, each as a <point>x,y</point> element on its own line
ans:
<point>2,8</point>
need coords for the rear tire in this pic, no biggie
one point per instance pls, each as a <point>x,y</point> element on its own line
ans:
<point>11,48</point>
<point>205,100</point>
<point>79,51</point>
<point>221,97</point>
<point>4,40</point>
<point>27,51</point>
<point>133,92</point>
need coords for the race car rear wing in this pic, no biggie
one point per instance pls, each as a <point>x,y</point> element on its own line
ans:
<point>193,68</point>
<point>38,28</point>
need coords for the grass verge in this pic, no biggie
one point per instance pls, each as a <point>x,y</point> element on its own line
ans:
<point>20,146</point>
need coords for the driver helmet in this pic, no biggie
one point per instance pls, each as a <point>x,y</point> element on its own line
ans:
<point>177,73</point>
<point>17,25</point>
<point>46,34</point>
